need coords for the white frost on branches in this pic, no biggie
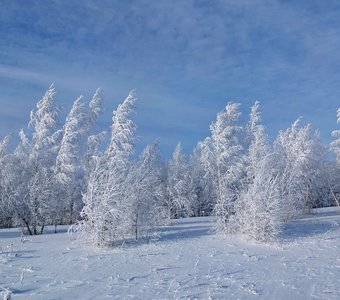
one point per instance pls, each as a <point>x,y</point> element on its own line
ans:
<point>335,145</point>
<point>105,210</point>
<point>225,134</point>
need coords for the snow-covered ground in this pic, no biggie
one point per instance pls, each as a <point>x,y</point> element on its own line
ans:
<point>186,261</point>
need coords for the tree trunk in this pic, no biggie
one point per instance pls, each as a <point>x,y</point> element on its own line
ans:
<point>28,227</point>
<point>136,227</point>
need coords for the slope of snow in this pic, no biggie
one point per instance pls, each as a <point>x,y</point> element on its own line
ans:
<point>185,261</point>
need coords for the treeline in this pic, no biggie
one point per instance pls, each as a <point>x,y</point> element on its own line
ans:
<point>77,175</point>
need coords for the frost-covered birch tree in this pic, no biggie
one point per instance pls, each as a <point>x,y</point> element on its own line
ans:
<point>335,145</point>
<point>36,157</point>
<point>145,191</point>
<point>178,185</point>
<point>203,175</point>
<point>260,216</point>
<point>301,159</point>
<point>258,209</point>
<point>105,211</point>
<point>334,181</point>
<point>6,209</point>
<point>259,146</point>
<point>228,151</point>
<point>69,170</point>
<point>94,138</point>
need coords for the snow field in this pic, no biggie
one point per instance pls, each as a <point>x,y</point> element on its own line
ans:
<point>186,260</point>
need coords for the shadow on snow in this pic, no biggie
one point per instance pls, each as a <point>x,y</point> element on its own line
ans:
<point>317,223</point>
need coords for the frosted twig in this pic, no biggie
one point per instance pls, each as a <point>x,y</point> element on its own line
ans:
<point>196,264</point>
<point>22,274</point>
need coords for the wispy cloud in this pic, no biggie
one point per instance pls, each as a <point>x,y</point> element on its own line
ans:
<point>186,58</point>
<point>22,74</point>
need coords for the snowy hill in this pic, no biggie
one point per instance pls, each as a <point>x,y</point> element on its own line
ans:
<point>185,261</point>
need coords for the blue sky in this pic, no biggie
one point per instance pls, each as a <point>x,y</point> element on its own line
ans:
<point>186,59</point>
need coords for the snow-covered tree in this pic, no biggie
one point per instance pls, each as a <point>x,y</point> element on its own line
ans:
<point>203,175</point>
<point>317,191</point>
<point>258,147</point>
<point>15,182</point>
<point>29,187</point>
<point>94,139</point>
<point>260,215</point>
<point>96,106</point>
<point>145,191</point>
<point>44,121</point>
<point>335,145</point>
<point>258,209</point>
<point>6,211</point>
<point>332,178</point>
<point>178,188</point>
<point>334,175</point>
<point>69,170</point>
<point>300,163</point>
<point>226,134</point>
<point>105,212</point>
<point>34,159</point>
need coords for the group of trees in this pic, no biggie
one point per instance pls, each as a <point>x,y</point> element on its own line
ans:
<point>42,180</point>
<point>73,174</point>
<point>259,185</point>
